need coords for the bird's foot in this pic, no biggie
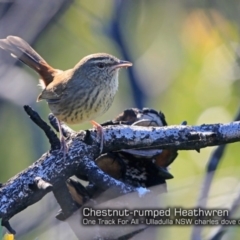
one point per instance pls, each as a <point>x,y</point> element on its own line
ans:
<point>100,133</point>
<point>64,147</point>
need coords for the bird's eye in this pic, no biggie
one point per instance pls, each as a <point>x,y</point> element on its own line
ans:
<point>100,65</point>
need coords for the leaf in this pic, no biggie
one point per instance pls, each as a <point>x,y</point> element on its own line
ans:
<point>8,237</point>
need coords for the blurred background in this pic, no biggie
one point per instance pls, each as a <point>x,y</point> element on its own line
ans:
<point>186,57</point>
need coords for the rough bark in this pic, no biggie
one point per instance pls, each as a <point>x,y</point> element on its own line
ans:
<point>18,193</point>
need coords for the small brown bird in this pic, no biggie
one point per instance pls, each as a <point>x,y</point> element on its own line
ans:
<point>76,95</point>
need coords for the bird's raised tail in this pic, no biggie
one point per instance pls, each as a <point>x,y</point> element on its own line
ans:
<point>23,51</point>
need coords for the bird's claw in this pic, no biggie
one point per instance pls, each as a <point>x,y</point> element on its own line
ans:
<point>64,147</point>
<point>100,133</point>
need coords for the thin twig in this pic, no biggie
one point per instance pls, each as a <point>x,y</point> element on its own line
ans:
<point>213,163</point>
<point>67,131</point>
<point>117,35</point>
<point>52,137</point>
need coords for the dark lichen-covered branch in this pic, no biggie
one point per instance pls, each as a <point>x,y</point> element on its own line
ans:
<point>16,194</point>
<point>171,137</point>
<point>51,135</point>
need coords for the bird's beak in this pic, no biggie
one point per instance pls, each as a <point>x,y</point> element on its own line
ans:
<point>122,64</point>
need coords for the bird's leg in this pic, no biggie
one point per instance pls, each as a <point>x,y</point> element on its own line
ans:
<point>64,147</point>
<point>100,133</point>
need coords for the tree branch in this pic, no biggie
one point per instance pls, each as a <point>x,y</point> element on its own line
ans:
<point>17,194</point>
<point>176,137</point>
<point>51,135</point>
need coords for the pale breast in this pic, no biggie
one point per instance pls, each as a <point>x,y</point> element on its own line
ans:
<point>84,105</point>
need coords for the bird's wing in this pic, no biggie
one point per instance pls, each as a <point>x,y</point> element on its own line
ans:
<point>57,88</point>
